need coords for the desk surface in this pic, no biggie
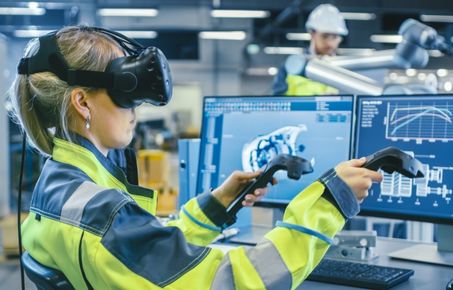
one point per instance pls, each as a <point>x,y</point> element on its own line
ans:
<point>426,276</point>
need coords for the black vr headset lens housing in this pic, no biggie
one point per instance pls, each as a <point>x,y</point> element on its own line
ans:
<point>137,77</point>
<point>143,76</point>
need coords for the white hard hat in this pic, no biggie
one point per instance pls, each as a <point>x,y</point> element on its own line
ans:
<point>326,19</point>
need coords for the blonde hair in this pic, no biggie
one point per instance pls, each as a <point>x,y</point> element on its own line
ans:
<point>41,101</point>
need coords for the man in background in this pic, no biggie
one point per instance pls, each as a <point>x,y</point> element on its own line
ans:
<point>327,28</point>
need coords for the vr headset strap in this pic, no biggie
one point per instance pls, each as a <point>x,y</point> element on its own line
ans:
<point>87,78</point>
<point>50,59</point>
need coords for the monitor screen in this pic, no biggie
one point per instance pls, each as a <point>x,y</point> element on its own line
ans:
<point>420,125</point>
<point>244,133</point>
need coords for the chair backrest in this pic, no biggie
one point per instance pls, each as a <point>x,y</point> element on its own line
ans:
<point>44,277</point>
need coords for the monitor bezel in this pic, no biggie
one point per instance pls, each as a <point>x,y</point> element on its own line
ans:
<point>373,213</point>
<point>264,202</point>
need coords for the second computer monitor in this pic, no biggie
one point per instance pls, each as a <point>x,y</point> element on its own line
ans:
<point>244,133</point>
<point>421,125</point>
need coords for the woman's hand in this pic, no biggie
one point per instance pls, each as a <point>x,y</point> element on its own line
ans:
<point>359,179</point>
<point>231,187</point>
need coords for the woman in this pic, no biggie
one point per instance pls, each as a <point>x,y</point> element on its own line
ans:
<point>87,220</point>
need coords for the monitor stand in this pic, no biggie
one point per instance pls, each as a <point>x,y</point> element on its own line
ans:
<point>442,254</point>
<point>263,219</point>
<point>250,235</point>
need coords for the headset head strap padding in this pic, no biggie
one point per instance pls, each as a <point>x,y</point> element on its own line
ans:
<point>47,59</point>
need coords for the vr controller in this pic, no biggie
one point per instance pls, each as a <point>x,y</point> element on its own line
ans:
<point>295,167</point>
<point>392,159</point>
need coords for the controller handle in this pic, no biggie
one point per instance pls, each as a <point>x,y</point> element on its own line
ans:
<point>294,165</point>
<point>392,159</point>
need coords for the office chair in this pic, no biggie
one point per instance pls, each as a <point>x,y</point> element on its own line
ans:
<point>45,278</point>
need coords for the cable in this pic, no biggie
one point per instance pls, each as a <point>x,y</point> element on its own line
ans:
<point>19,208</point>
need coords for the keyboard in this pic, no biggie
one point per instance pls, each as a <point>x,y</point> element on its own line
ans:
<point>359,274</point>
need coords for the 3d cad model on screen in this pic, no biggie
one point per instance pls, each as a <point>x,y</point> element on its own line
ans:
<point>246,133</point>
<point>258,152</point>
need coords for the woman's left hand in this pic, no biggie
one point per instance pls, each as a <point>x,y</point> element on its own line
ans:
<point>231,187</point>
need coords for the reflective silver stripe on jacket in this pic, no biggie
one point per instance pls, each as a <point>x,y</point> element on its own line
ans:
<point>268,263</point>
<point>72,210</point>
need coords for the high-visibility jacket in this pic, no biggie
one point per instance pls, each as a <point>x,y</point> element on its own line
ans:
<point>295,85</point>
<point>87,220</point>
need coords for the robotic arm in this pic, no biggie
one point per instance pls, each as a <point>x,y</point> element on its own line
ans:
<point>412,51</point>
<point>424,36</point>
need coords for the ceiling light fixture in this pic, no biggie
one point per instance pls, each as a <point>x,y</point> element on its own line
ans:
<point>128,12</point>
<point>223,35</point>
<point>221,13</point>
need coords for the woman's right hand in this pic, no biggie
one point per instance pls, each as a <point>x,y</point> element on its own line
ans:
<point>359,179</point>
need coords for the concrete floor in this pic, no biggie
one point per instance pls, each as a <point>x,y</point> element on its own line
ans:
<point>10,273</point>
<point>10,276</point>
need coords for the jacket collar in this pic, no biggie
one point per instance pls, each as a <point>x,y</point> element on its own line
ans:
<point>82,154</point>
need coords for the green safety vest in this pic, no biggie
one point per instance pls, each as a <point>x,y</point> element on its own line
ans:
<point>301,86</point>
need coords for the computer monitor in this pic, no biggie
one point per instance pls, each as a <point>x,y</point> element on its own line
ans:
<point>244,133</point>
<point>421,125</point>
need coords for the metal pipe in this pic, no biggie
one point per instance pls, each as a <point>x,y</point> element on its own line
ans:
<point>378,59</point>
<point>340,78</point>
<point>406,55</point>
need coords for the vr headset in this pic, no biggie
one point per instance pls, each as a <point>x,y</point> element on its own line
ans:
<point>142,76</point>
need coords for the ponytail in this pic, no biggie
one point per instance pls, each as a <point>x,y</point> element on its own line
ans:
<point>41,101</point>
